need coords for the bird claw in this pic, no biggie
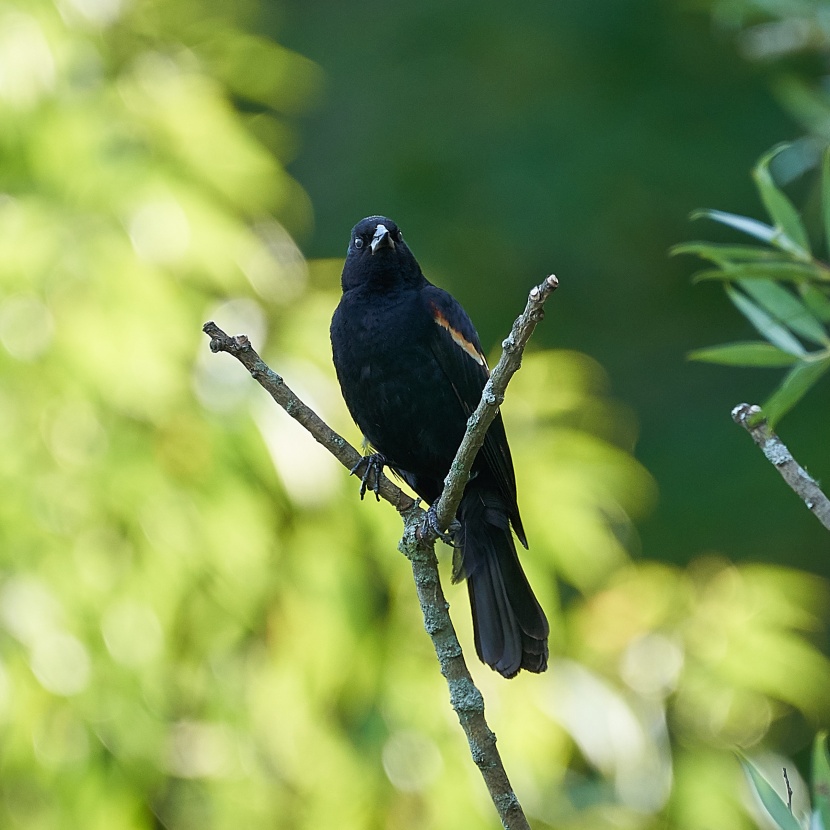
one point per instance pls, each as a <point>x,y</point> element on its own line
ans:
<point>374,464</point>
<point>430,527</point>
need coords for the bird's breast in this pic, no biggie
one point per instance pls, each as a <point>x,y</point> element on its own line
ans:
<point>392,384</point>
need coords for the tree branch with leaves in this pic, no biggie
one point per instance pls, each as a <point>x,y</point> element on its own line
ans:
<point>783,290</point>
<point>780,286</point>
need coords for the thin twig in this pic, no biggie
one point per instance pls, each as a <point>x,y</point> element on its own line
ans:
<point>491,398</point>
<point>789,790</point>
<point>419,547</point>
<point>240,347</point>
<point>776,452</point>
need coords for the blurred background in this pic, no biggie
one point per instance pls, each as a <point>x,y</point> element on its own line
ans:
<point>200,624</point>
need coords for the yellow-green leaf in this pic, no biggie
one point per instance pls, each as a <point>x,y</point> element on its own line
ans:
<point>767,327</point>
<point>816,300</point>
<point>786,308</point>
<point>787,271</point>
<point>799,380</point>
<point>720,252</point>
<point>821,779</point>
<point>780,208</point>
<point>745,354</point>
<point>752,227</point>
<point>773,803</point>
<point>825,194</point>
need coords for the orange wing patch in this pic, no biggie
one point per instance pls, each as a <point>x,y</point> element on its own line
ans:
<point>459,338</point>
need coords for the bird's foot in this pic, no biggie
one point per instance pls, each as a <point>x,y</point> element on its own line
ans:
<point>370,479</point>
<point>430,527</point>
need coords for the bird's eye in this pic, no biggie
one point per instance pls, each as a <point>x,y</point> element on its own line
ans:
<point>399,236</point>
<point>358,242</point>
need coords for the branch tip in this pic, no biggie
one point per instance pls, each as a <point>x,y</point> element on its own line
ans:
<point>221,342</point>
<point>750,417</point>
<point>746,415</point>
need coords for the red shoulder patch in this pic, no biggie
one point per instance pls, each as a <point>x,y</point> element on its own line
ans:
<point>458,337</point>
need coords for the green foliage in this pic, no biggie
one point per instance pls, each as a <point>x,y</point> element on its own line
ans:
<point>745,354</point>
<point>773,31</point>
<point>781,289</point>
<point>779,810</point>
<point>821,780</point>
<point>201,624</point>
<point>791,234</point>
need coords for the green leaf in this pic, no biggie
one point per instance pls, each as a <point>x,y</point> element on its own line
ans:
<point>821,779</point>
<point>825,198</point>
<point>783,270</point>
<point>767,327</point>
<point>773,803</point>
<point>799,380</point>
<point>753,227</point>
<point>785,307</point>
<point>744,354</point>
<point>719,252</point>
<point>779,207</point>
<point>817,301</point>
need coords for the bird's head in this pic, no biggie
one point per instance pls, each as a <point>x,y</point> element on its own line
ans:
<point>378,256</point>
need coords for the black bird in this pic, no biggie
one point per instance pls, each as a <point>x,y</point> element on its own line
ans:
<point>412,371</point>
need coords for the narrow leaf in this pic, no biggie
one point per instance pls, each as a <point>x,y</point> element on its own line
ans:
<point>785,307</point>
<point>825,195</point>
<point>718,252</point>
<point>788,271</point>
<point>799,380</point>
<point>780,208</point>
<point>742,223</point>
<point>821,779</point>
<point>766,326</point>
<point>773,803</point>
<point>817,301</point>
<point>745,354</point>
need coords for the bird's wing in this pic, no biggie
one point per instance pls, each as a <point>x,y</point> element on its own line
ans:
<point>457,349</point>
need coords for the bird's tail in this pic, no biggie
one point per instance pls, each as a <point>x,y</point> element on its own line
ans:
<point>511,630</point>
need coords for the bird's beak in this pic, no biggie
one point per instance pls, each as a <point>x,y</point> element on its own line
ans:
<point>382,239</point>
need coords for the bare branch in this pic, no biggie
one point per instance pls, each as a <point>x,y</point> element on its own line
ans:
<point>465,697</point>
<point>777,454</point>
<point>240,347</point>
<point>419,547</point>
<point>491,398</point>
